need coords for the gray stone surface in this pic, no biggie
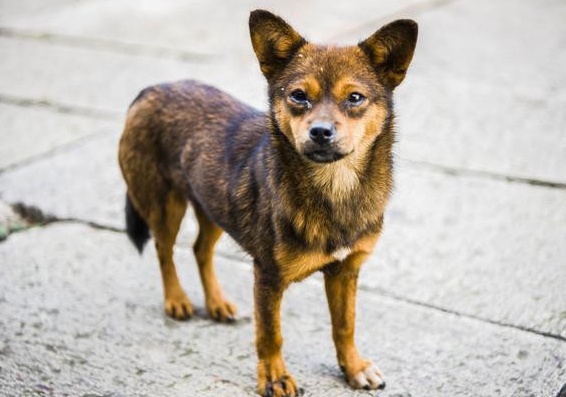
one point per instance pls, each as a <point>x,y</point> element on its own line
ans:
<point>27,133</point>
<point>211,27</point>
<point>489,129</point>
<point>81,315</point>
<point>107,81</point>
<point>468,278</point>
<point>472,245</point>
<point>82,182</point>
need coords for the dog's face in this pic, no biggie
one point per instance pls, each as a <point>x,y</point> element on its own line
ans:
<point>330,102</point>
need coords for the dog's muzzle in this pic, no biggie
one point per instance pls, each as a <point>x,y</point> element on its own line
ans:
<point>321,147</point>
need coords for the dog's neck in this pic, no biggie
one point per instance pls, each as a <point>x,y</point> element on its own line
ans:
<point>337,179</point>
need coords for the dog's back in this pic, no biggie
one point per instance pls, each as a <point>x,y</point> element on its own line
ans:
<point>191,138</point>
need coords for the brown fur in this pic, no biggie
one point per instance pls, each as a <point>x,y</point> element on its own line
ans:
<point>294,204</point>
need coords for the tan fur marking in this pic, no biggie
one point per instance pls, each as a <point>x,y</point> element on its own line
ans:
<point>217,306</point>
<point>345,86</point>
<point>177,304</point>
<point>296,265</point>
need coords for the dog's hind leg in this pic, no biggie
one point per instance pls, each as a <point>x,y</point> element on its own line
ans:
<point>218,308</point>
<point>164,222</point>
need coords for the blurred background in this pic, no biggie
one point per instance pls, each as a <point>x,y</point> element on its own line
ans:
<point>466,292</point>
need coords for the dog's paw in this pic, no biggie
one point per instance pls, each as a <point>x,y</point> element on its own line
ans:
<point>179,307</point>
<point>284,386</point>
<point>274,381</point>
<point>221,310</point>
<point>369,378</point>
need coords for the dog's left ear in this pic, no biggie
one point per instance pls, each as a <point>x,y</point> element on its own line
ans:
<point>391,49</point>
<point>274,42</point>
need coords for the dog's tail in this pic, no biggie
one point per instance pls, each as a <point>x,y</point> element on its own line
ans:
<point>136,227</point>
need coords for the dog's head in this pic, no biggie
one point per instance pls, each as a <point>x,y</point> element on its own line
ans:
<point>330,101</point>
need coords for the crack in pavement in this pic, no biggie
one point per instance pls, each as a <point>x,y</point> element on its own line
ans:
<point>32,216</point>
<point>467,172</point>
<point>58,107</point>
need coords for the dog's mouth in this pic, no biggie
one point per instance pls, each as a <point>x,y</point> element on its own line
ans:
<point>324,156</point>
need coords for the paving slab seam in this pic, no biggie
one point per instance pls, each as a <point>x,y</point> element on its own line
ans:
<point>466,172</point>
<point>51,152</point>
<point>115,46</point>
<point>106,114</point>
<point>413,302</point>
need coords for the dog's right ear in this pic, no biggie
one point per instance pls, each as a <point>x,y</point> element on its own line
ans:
<point>274,42</point>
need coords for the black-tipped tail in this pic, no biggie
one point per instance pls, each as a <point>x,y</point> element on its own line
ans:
<point>137,229</point>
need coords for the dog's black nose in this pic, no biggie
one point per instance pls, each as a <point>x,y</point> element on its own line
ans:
<point>322,132</point>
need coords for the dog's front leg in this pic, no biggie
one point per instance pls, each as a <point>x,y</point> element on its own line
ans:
<point>341,282</point>
<point>273,379</point>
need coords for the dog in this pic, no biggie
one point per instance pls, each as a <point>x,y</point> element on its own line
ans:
<point>302,187</point>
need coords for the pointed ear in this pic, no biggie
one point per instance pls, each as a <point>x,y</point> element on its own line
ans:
<point>390,50</point>
<point>274,42</point>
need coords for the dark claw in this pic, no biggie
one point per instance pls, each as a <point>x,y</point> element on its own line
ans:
<point>300,391</point>
<point>269,390</point>
<point>367,387</point>
<point>382,386</point>
<point>173,312</point>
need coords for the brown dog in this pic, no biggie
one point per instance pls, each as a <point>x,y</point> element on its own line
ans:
<point>302,188</point>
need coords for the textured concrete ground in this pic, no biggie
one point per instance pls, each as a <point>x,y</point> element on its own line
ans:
<point>466,293</point>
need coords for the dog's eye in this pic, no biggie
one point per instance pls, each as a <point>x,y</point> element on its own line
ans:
<point>299,97</point>
<point>355,99</point>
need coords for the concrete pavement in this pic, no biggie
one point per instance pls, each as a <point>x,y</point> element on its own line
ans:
<point>466,293</point>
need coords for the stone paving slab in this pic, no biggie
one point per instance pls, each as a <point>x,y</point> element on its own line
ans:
<point>516,45</point>
<point>476,246</point>
<point>448,241</point>
<point>474,126</point>
<point>27,132</point>
<point>82,182</point>
<point>81,315</point>
<point>109,81</point>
